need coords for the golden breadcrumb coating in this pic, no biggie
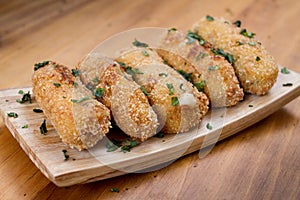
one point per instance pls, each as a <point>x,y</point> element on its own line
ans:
<point>129,105</point>
<point>80,120</point>
<point>178,104</point>
<point>221,84</point>
<point>255,68</point>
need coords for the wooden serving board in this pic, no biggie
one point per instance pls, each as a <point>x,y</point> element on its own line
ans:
<point>96,164</point>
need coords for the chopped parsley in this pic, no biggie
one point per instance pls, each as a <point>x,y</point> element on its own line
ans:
<point>181,87</point>
<point>213,68</point>
<point>240,43</point>
<point>200,85</point>
<point>257,58</point>
<point>76,72</point>
<point>12,114</point>
<point>174,101</point>
<point>80,100</point>
<point>163,74</point>
<point>209,126</point>
<point>99,92</point>
<point>247,34</point>
<point>237,23</point>
<point>122,64</point>
<point>159,135</point>
<point>21,92</point>
<point>287,84</point>
<point>222,53</point>
<point>25,126</point>
<point>144,90</point>
<point>209,18</point>
<point>145,53</point>
<point>128,145</point>
<point>26,97</point>
<point>96,80</point>
<point>43,128</point>
<point>252,44</point>
<point>41,64</point>
<point>37,110</point>
<point>192,36</point>
<point>285,71</point>
<point>114,190</point>
<point>125,146</point>
<point>171,88</point>
<point>172,29</point>
<point>187,76</point>
<point>200,55</point>
<point>139,44</point>
<point>65,154</point>
<point>131,71</point>
<point>113,145</point>
<point>57,84</point>
<point>75,84</point>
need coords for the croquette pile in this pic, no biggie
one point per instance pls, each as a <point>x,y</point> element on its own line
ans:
<point>145,90</point>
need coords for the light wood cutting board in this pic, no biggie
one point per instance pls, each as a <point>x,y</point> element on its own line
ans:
<point>96,164</point>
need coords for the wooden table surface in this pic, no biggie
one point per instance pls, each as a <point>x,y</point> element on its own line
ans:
<point>261,162</point>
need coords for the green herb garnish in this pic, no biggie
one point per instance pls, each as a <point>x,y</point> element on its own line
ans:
<point>76,72</point>
<point>75,84</point>
<point>200,85</point>
<point>222,53</point>
<point>139,44</point>
<point>41,64</point>
<point>171,88</point>
<point>287,84</point>
<point>213,68</point>
<point>128,145</point>
<point>12,114</point>
<point>200,55</point>
<point>145,53</point>
<point>209,18</point>
<point>174,101</point>
<point>192,36</point>
<point>114,190</point>
<point>99,92</point>
<point>96,80</point>
<point>56,84</point>
<point>240,43</point>
<point>144,90</point>
<point>131,71</point>
<point>159,135</point>
<point>257,58</point>
<point>80,100</point>
<point>187,76</point>
<point>208,126</point>
<point>122,64</point>
<point>26,98</point>
<point>43,128</point>
<point>112,145</point>
<point>25,126</point>
<point>285,71</point>
<point>21,92</point>
<point>237,23</point>
<point>247,34</point>
<point>163,74</point>
<point>252,44</point>
<point>172,29</point>
<point>65,154</point>
<point>181,87</point>
<point>36,110</point>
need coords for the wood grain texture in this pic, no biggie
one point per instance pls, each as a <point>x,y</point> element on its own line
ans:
<point>260,162</point>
